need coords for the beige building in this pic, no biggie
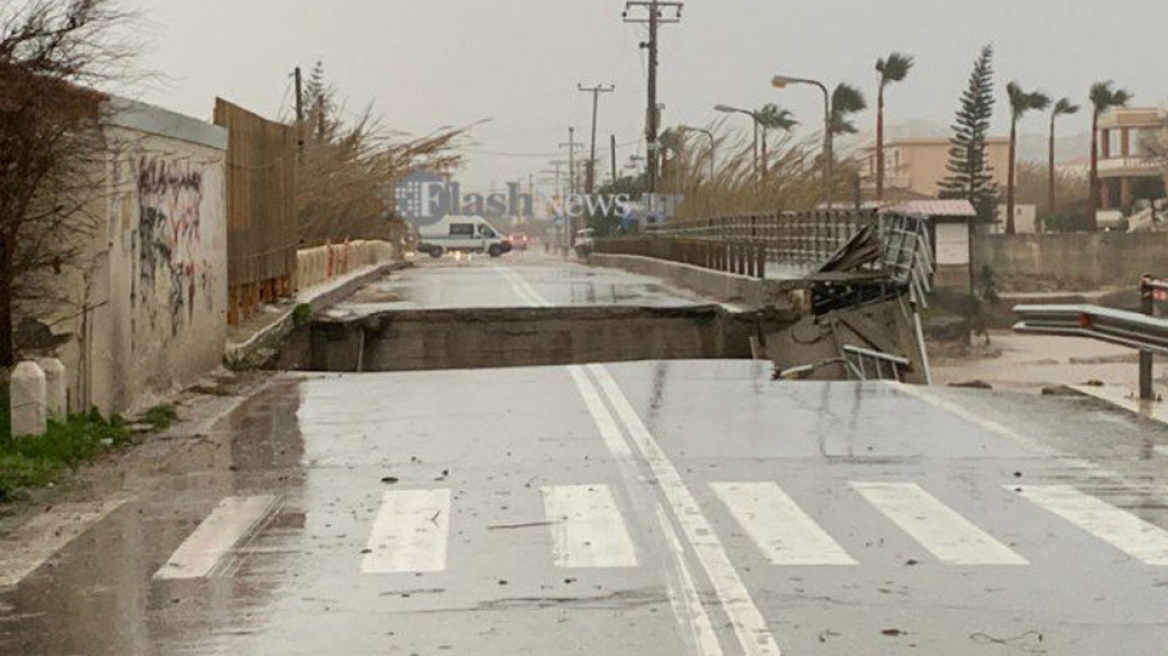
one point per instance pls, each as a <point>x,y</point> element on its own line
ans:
<point>918,164</point>
<point>1127,171</point>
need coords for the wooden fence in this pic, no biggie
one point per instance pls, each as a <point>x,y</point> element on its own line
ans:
<point>261,210</point>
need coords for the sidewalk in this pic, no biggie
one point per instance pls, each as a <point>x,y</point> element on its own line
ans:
<point>274,321</point>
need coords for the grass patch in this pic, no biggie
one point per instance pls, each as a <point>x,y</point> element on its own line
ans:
<point>160,417</point>
<point>302,314</point>
<point>29,462</point>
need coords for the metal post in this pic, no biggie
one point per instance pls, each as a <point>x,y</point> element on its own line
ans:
<point>1147,307</point>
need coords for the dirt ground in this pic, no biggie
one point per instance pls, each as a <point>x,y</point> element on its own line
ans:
<point>1032,362</point>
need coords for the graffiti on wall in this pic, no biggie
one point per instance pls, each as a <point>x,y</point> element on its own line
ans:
<point>168,243</point>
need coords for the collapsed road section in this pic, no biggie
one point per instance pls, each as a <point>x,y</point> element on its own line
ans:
<point>407,340</point>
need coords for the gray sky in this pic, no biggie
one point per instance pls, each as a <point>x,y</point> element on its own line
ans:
<point>428,63</point>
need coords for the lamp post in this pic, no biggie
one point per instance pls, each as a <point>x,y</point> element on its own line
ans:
<point>781,82</point>
<point>727,109</point>
<point>713,145</point>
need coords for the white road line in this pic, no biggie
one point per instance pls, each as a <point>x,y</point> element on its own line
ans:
<point>232,520</point>
<point>1028,443</point>
<point>748,623</point>
<point>32,544</point>
<point>522,289</point>
<point>410,533</point>
<point>1141,540</point>
<point>687,604</point>
<point>587,527</point>
<point>683,595</point>
<point>782,531</point>
<point>609,431</point>
<point>940,530</point>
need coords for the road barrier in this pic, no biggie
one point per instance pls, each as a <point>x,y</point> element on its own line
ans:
<point>1138,330</point>
<point>321,264</point>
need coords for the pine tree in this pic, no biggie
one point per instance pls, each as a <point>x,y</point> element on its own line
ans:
<point>319,102</point>
<point>970,176</point>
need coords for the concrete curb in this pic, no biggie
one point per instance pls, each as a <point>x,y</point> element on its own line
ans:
<point>317,298</point>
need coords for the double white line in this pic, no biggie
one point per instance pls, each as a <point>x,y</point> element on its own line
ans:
<point>522,289</point>
<point>749,626</point>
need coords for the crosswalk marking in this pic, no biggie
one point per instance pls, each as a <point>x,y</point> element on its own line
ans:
<point>940,530</point>
<point>1139,539</point>
<point>587,527</point>
<point>409,533</point>
<point>782,531</point>
<point>232,520</point>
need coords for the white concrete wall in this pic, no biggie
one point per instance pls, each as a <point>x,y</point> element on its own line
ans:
<point>157,287</point>
<point>319,265</point>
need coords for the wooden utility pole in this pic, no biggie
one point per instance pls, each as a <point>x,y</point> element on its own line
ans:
<point>590,181</point>
<point>570,221</point>
<point>656,17</point>
<point>299,111</point>
<point>613,141</point>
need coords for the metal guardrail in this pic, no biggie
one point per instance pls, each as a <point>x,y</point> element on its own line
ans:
<point>1130,329</point>
<point>1137,330</point>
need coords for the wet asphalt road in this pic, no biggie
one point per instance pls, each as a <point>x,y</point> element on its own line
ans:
<point>522,279</point>
<point>641,508</point>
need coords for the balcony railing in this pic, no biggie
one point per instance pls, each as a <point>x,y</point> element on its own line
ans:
<point>1131,165</point>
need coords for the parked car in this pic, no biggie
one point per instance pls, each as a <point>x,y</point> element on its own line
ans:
<point>518,241</point>
<point>585,241</point>
<point>466,234</point>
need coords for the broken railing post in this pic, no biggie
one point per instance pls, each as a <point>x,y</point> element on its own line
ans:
<point>27,399</point>
<point>1147,307</point>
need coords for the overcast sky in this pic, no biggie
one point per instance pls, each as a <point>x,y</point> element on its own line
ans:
<point>429,63</point>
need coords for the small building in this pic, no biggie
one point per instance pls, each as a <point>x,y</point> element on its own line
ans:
<point>144,310</point>
<point>1127,169</point>
<point>920,164</point>
<point>950,231</point>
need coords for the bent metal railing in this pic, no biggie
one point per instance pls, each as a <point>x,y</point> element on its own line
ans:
<point>1138,330</point>
<point>791,244</point>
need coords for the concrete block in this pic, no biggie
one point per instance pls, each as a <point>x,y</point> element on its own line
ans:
<point>56,397</point>
<point>27,398</point>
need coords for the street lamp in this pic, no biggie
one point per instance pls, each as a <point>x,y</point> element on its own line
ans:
<point>782,82</point>
<point>713,144</point>
<point>727,109</point>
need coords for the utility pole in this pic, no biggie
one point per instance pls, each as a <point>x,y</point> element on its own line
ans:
<point>570,221</point>
<point>299,111</point>
<point>656,17</point>
<point>590,181</point>
<point>571,146</point>
<point>613,141</point>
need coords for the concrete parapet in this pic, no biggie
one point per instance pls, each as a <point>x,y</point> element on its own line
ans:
<point>321,264</point>
<point>719,286</point>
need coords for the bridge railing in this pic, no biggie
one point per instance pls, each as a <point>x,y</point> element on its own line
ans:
<point>798,239</point>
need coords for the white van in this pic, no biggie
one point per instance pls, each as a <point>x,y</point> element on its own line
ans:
<point>467,234</point>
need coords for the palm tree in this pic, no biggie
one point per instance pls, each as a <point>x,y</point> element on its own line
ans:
<point>1064,107</point>
<point>845,101</point>
<point>1020,103</point>
<point>1103,97</point>
<point>772,117</point>
<point>893,69</point>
